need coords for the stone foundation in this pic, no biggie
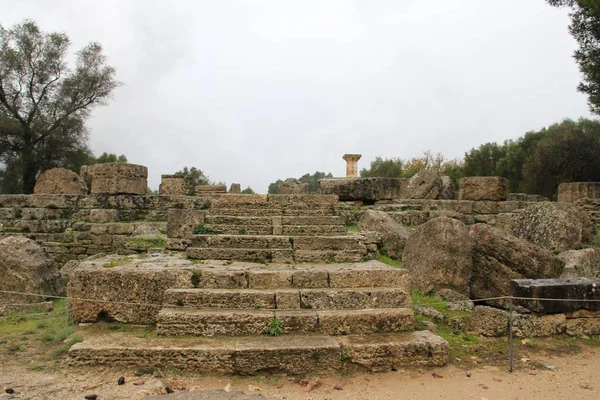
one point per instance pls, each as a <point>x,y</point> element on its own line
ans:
<point>570,192</point>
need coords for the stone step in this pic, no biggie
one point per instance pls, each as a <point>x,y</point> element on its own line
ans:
<point>311,230</point>
<point>324,298</point>
<point>242,241</point>
<point>253,355</point>
<point>365,274</point>
<point>241,254</point>
<point>273,211</point>
<point>186,321</point>
<point>241,229</point>
<point>237,220</point>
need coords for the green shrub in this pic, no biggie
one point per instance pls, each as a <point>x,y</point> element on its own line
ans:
<point>275,327</point>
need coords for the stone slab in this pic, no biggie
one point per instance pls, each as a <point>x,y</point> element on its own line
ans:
<point>570,290</point>
<point>368,321</point>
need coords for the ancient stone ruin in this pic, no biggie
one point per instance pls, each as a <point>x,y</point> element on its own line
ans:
<point>295,282</point>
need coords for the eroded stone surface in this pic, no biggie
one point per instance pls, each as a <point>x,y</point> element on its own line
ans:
<point>118,178</point>
<point>393,235</point>
<point>483,188</point>
<point>60,181</point>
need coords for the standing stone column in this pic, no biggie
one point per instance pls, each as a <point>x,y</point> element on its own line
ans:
<point>352,164</point>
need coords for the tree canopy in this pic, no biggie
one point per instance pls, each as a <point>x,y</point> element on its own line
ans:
<point>585,28</point>
<point>44,103</point>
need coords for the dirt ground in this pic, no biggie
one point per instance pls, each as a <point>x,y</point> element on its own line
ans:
<point>543,376</point>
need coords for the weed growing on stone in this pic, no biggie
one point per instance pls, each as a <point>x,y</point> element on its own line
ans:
<point>242,231</point>
<point>384,258</point>
<point>275,327</point>
<point>119,262</point>
<point>352,228</point>
<point>157,241</point>
<point>204,230</point>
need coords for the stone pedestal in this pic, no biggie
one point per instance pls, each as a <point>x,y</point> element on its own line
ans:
<point>59,181</point>
<point>352,164</point>
<point>118,178</point>
<point>570,192</point>
<point>235,188</point>
<point>173,185</point>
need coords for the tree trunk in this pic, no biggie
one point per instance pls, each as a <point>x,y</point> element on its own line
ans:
<point>30,169</point>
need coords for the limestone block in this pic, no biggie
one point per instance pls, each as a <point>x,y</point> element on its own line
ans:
<point>364,277</point>
<point>568,289</point>
<point>483,188</point>
<point>173,185</point>
<point>572,191</point>
<point>235,188</point>
<point>527,325</point>
<point>367,321</point>
<point>310,279</point>
<point>59,181</point>
<point>364,189</point>
<point>201,190</point>
<point>584,263</point>
<point>288,299</point>
<point>489,321</point>
<point>288,354</point>
<point>118,178</point>
<point>220,298</point>
<point>181,223</point>
<point>323,299</point>
<point>385,352</point>
<point>425,184</point>
<point>292,186</point>
<point>298,322</point>
<point>583,326</point>
<point>103,216</point>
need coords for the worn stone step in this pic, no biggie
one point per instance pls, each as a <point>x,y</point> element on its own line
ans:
<point>241,229</point>
<point>197,322</point>
<point>311,220</point>
<point>238,220</point>
<point>311,230</point>
<point>324,298</point>
<point>241,254</point>
<point>329,256</point>
<point>273,211</point>
<point>263,354</point>
<point>320,243</point>
<point>242,241</point>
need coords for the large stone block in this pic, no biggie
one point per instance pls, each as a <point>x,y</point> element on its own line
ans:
<point>570,192</point>
<point>181,223</point>
<point>499,257</point>
<point>118,178</point>
<point>425,184</point>
<point>173,185</point>
<point>26,268</point>
<point>292,186</point>
<point>584,263</point>
<point>557,227</point>
<point>368,190</point>
<point>545,295</point>
<point>201,190</point>
<point>393,235</point>
<point>59,181</point>
<point>483,188</point>
<point>438,255</point>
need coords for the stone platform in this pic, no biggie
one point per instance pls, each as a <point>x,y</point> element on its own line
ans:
<point>263,354</point>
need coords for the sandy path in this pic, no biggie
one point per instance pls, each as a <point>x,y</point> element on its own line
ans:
<point>575,377</point>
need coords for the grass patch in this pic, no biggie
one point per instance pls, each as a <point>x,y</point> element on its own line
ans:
<point>596,241</point>
<point>38,336</point>
<point>388,260</point>
<point>352,228</point>
<point>119,262</point>
<point>156,241</point>
<point>204,230</point>
<point>275,327</point>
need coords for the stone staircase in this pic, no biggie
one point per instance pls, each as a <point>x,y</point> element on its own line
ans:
<point>277,229</point>
<point>329,316</point>
<point>273,284</point>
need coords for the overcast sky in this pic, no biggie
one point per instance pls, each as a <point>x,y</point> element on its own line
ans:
<point>252,91</point>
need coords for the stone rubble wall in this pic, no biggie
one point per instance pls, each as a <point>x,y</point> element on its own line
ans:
<point>73,227</point>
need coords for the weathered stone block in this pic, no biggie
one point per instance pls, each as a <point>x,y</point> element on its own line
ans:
<point>489,321</point>
<point>292,186</point>
<point>366,321</point>
<point>288,299</point>
<point>118,178</point>
<point>221,298</point>
<point>235,188</point>
<point>483,188</point>
<point>353,298</point>
<point>387,352</point>
<point>181,223</point>
<point>173,185</point>
<point>425,184</point>
<point>210,189</point>
<point>288,354</point>
<point>367,190</point>
<point>59,181</point>
<point>567,289</point>
<point>570,192</point>
<point>584,263</point>
<point>583,326</point>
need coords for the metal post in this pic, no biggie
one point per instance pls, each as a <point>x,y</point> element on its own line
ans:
<point>510,333</point>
